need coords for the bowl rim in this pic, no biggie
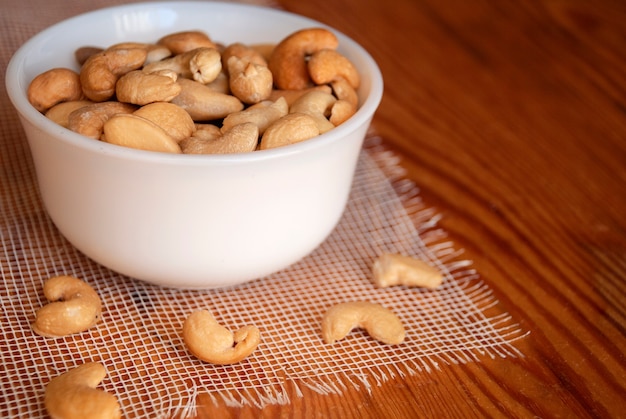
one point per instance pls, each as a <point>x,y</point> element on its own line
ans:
<point>17,94</point>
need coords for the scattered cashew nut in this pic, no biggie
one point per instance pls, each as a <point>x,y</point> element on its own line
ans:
<point>394,269</point>
<point>379,322</point>
<point>73,395</point>
<point>211,342</point>
<point>74,307</point>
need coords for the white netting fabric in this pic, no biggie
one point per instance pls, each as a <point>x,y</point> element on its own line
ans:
<point>139,336</point>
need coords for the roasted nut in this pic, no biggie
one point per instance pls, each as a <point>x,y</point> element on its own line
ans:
<point>343,91</point>
<point>185,69</point>
<point>328,65</point>
<point>200,64</point>
<point>394,269</point>
<point>172,118</point>
<point>240,138</point>
<point>204,104</point>
<point>137,132</point>
<point>74,307</point>
<point>73,395</point>
<point>379,322</point>
<point>181,42</point>
<point>292,95</point>
<point>89,120</point>
<point>318,105</point>
<point>60,112</point>
<point>250,82</point>
<point>140,88</point>
<point>243,51</point>
<point>211,342</point>
<point>54,86</point>
<point>288,61</point>
<point>81,54</point>
<point>154,52</point>
<point>101,71</point>
<point>341,111</point>
<point>262,114</point>
<point>290,129</point>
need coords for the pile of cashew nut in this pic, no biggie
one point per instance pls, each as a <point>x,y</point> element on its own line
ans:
<point>188,94</point>
<point>75,307</point>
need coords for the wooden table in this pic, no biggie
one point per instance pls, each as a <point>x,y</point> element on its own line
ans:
<point>511,118</point>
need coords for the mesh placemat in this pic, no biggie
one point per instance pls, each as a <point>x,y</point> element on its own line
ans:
<point>139,336</point>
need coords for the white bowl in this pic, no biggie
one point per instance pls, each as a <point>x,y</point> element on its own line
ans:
<point>188,221</point>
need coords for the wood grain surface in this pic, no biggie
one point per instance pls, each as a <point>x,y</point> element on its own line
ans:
<point>511,118</point>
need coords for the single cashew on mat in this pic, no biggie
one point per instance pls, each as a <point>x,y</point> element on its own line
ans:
<point>380,323</point>
<point>209,341</point>
<point>73,395</point>
<point>209,83</point>
<point>393,269</point>
<point>74,307</point>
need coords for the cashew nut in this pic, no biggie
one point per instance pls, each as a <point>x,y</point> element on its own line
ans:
<point>73,395</point>
<point>318,105</point>
<point>60,112</point>
<point>74,307</point>
<point>181,42</point>
<point>379,322</point>
<point>328,65</point>
<point>240,138</point>
<point>211,342</point>
<point>89,120</point>
<point>54,86</point>
<point>290,129</point>
<point>340,112</point>
<point>288,61</point>
<point>154,52</point>
<point>394,269</point>
<point>200,64</point>
<point>81,54</point>
<point>262,114</point>
<point>203,103</point>
<point>101,71</point>
<point>242,51</point>
<point>133,131</point>
<point>291,95</point>
<point>221,84</point>
<point>343,91</point>
<point>172,118</point>
<point>141,88</point>
<point>250,82</point>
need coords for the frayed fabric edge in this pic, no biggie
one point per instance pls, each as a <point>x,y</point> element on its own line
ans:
<point>426,220</point>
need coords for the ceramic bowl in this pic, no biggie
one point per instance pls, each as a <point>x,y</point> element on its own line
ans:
<point>188,221</point>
